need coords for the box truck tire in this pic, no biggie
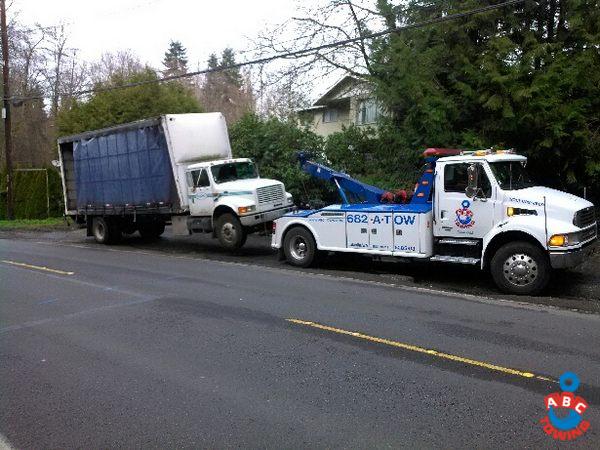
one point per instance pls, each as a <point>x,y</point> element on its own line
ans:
<point>105,231</point>
<point>520,268</point>
<point>230,231</point>
<point>300,247</point>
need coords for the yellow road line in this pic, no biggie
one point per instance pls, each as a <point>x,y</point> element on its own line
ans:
<point>44,268</point>
<point>417,349</point>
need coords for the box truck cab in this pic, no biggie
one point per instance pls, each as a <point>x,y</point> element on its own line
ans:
<point>177,169</point>
<point>231,193</point>
<point>477,208</point>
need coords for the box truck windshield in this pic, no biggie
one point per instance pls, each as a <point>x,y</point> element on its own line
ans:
<point>222,173</point>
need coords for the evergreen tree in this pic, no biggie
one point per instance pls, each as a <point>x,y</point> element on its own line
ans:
<point>233,76</point>
<point>175,60</point>
<point>527,76</point>
<point>119,106</point>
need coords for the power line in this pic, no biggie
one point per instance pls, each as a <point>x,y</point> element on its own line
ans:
<point>285,55</point>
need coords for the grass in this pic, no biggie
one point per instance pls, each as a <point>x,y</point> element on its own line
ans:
<point>32,224</point>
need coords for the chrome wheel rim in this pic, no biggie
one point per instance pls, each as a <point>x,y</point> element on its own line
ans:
<point>228,232</point>
<point>298,247</point>
<point>520,269</point>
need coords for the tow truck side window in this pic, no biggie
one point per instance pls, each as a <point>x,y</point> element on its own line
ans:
<point>456,179</point>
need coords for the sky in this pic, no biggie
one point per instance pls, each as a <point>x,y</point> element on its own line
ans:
<point>147,26</point>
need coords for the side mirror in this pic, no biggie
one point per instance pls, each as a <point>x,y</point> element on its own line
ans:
<point>473,181</point>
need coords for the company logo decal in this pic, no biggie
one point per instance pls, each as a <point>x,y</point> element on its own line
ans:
<point>464,216</point>
<point>564,421</point>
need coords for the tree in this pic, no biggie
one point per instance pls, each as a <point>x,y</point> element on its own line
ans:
<point>119,106</point>
<point>527,77</point>
<point>175,60</point>
<point>273,144</point>
<point>227,90</point>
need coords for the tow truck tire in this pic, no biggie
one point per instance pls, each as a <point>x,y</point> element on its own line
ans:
<point>520,268</point>
<point>230,231</point>
<point>299,247</point>
<point>105,231</point>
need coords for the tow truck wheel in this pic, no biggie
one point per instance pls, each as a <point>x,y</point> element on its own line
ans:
<point>520,268</point>
<point>230,232</point>
<point>299,247</point>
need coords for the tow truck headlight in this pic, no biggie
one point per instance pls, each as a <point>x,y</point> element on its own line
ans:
<point>559,240</point>
<point>246,209</point>
<point>564,240</point>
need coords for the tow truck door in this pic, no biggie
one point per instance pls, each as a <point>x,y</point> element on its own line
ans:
<point>456,215</point>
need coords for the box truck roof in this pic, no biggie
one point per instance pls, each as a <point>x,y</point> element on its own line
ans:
<point>197,137</point>
<point>191,137</point>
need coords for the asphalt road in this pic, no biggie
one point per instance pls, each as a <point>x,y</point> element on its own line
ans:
<point>120,347</point>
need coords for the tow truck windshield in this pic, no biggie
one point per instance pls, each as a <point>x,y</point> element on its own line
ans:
<point>222,173</point>
<point>511,175</point>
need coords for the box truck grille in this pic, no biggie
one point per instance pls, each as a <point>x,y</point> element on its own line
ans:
<point>270,194</point>
<point>585,217</point>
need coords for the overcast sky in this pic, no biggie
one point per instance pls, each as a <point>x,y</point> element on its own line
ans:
<point>146,26</point>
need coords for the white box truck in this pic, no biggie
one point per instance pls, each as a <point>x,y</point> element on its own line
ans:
<point>478,208</point>
<point>175,169</point>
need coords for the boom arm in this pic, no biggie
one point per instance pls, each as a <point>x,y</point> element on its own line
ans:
<point>347,186</point>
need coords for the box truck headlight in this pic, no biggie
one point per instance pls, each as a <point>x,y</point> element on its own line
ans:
<point>246,209</point>
<point>290,199</point>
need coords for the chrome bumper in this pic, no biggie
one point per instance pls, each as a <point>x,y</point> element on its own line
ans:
<point>267,216</point>
<point>572,258</point>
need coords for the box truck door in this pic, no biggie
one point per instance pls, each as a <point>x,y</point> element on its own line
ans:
<point>200,193</point>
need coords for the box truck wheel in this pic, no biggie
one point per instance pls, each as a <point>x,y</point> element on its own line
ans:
<point>230,231</point>
<point>299,247</point>
<point>520,268</point>
<point>105,231</point>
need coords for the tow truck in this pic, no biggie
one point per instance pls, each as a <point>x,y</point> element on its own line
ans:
<point>475,208</point>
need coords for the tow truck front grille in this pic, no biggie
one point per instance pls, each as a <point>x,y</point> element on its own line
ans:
<point>270,194</point>
<point>585,217</point>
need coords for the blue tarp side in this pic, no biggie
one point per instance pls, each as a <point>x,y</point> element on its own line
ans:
<point>130,167</point>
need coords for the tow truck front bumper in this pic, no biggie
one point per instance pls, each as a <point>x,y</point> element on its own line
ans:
<point>264,216</point>
<point>572,258</point>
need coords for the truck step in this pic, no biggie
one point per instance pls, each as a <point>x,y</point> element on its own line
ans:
<point>455,259</point>
<point>454,241</point>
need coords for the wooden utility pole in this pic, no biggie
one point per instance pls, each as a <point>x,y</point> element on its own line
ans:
<point>6,114</point>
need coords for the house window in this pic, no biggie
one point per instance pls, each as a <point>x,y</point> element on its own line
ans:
<point>330,115</point>
<point>368,111</point>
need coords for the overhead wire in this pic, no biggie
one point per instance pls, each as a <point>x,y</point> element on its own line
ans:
<point>283,55</point>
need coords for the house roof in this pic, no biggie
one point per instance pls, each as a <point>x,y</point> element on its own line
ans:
<point>344,88</point>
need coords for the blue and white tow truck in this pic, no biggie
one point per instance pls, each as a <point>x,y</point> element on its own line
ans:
<point>476,208</point>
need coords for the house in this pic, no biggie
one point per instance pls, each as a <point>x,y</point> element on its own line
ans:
<point>349,101</point>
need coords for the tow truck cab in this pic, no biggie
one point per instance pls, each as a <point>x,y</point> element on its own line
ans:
<point>478,208</point>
